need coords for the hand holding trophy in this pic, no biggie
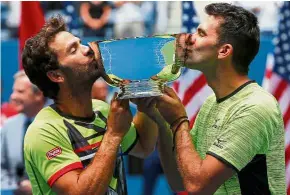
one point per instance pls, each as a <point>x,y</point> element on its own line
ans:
<point>140,66</point>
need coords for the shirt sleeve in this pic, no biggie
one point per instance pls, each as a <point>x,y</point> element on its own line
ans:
<point>246,134</point>
<point>129,140</point>
<point>50,152</point>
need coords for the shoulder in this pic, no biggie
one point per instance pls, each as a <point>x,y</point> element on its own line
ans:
<point>15,118</point>
<point>261,101</point>
<point>100,106</point>
<point>13,124</point>
<point>48,125</point>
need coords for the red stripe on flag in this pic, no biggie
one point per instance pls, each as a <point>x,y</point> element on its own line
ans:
<point>287,157</point>
<point>286,116</point>
<point>192,120</point>
<point>268,73</point>
<point>193,89</point>
<point>31,21</point>
<point>176,86</point>
<point>279,90</point>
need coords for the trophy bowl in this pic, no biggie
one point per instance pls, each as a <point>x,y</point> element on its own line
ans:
<point>139,66</point>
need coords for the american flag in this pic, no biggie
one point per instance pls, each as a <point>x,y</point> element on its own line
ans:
<point>279,78</point>
<point>191,87</point>
<point>71,17</point>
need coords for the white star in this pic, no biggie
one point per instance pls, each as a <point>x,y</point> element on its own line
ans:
<point>70,9</point>
<point>282,27</point>
<point>195,19</point>
<point>280,60</point>
<point>74,32</point>
<point>68,19</point>
<point>186,5</point>
<point>183,29</point>
<point>287,57</point>
<point>281,70</point>
<point>284,36</point>
<point>285,47</point>
<point>185,17</point>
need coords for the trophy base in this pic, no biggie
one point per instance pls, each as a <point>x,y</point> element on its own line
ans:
<point>141,88</point>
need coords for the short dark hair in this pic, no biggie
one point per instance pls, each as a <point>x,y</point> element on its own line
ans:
<point>38,58</point>
<point>240,29</point>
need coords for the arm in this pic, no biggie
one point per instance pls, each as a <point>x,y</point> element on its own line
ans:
<point>167,157</point>
<point>147,131</point>
<point>199,176</point>
<point>96,177</point>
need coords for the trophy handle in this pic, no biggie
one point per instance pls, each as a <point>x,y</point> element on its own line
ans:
<point>95,47</point>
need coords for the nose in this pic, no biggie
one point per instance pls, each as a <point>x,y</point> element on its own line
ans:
<point>13,96</point>
<point>86,50</point>
<point>190,39</point>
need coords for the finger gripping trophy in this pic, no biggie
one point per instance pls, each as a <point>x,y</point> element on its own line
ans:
<point>140,66</point>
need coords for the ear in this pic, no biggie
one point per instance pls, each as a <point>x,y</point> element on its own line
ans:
<point>225,51</point>
<point>39,95</point>
<point>55,76</point>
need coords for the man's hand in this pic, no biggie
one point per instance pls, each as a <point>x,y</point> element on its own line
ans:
<point>147,106</point>
<point>120,117</point>
<point>170,106</point>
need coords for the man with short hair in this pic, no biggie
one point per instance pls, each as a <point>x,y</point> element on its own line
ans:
<point>76,145</point>
<point>237,143</point>
<point>28,101</point>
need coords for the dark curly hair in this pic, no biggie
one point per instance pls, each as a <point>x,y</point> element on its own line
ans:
<point>240,29</point>
<point>38,58</point>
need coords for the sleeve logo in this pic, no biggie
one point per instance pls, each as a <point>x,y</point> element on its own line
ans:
<point>53,153</point>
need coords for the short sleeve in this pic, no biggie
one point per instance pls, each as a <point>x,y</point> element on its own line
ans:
<point>246,134</point>
<point>50,152</point>
<point>129,140</point>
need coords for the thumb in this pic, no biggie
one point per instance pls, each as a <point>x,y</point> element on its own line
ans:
<point>170,92</point>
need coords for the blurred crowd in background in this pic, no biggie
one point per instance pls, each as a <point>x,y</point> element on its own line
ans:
<point>117,19</point>
<point>101,20</point>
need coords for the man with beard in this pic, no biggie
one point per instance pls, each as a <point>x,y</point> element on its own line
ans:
<point>75,146</point>
<point>237,143</point>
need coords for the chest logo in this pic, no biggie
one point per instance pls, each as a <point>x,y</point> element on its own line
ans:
<point>219,143</point>
<point>216,125</point>
<point>53,153</point>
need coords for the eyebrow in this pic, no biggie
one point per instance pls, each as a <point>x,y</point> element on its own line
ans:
<point>72,44</point>
<point>199,29</point>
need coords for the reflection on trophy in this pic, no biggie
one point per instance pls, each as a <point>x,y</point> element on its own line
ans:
<point>141,66</point>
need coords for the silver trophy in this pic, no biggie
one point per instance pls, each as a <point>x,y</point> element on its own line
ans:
<point>140,66</point>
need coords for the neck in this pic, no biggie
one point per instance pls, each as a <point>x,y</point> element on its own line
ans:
<point>224,80</point>
<point>32,112</point>
<point>75,104</point>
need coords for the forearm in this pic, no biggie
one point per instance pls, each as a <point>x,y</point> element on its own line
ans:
<point>167,156</point>
<point>188,160</point>
<point>147,131</point>
<point>96,177</point>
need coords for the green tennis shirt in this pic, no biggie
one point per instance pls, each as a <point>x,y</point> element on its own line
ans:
<point>56,144</point>
<point>245,131</point>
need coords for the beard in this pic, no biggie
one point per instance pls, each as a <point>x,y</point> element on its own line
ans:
<point>81,79</point>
